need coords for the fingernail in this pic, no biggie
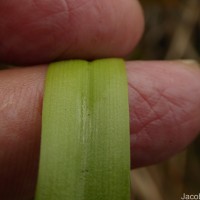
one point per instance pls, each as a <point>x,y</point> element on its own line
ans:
<point>190,63</point>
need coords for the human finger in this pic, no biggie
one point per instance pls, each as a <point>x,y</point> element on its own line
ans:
<point>164,109</point>
<point>164,101</point>
<point>35,32</point>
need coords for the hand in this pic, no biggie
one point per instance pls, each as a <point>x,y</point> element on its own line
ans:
<point>164,96</point>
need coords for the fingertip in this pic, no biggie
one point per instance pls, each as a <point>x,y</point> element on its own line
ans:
<point>68,29</point>
<point>164,109</point>
<point>136,26</point>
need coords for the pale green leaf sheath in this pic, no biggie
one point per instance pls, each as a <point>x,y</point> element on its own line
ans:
<point>85,144</point>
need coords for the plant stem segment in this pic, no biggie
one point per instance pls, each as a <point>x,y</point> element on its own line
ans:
<point>85,144</point>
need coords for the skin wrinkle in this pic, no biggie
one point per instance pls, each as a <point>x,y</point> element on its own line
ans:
<point>173,115</point>
<point>42,6</point>
<point>36,4</point>
<point>75,8</point>
<point>150,112</point>
<point>177,108</point>
<point>181,104</point>
<point>173,108</point>
<point>76,33</point>
<point>100,32</point>
<point>146,100</point>
<point>43,21</point>
<point>6,104</point>
<point>182,114</point>
<point>53,37</point>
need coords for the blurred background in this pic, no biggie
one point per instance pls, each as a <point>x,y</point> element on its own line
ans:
<point>172,32</point>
